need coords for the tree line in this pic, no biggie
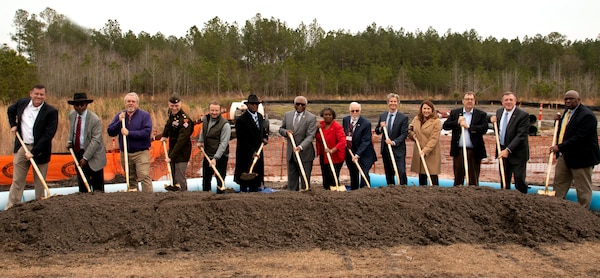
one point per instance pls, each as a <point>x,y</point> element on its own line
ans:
<point>271,59</point>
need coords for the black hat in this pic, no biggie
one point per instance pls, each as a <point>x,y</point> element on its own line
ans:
<point>252,99</point>
<point>174,99</point>
<point>79,98</point>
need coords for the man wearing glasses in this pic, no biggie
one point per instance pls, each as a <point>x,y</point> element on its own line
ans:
<point>358,139</point>
<point>302,125</point>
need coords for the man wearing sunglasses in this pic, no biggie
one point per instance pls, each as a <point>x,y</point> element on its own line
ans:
<point>358,139</point>
<point>87,142</point>
<point>302,125</point>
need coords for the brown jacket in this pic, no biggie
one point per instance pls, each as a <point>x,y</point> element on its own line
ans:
<point>428,135</point>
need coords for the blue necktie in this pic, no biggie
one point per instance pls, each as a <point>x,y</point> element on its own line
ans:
<point>503,124</point>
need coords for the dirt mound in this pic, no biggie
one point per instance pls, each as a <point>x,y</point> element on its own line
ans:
<point>384,217</point>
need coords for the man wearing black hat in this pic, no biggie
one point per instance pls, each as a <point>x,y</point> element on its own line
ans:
<point>251,131</point>
<point>178,129</point>
<point>36,122</point>
<point>85,138</point>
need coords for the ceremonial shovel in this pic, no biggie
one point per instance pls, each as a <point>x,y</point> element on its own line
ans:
<point>35,167</point>
<point>250,176</point>
<point>333,172</point>
<point>546,191</point>
<point>87,185</point>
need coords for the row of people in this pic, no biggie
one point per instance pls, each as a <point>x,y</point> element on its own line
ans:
<point>36,122</point>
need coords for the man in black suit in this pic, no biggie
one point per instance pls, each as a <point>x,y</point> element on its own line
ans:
<point>576,150</point>
<point>251,133</point>
<point>474,121</point>
<point>514,140</point>
<point>36,122</point>
<point>397,128</point>
<point>358,139</point>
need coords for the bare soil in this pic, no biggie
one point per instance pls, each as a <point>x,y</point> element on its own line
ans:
<point>396,231</point>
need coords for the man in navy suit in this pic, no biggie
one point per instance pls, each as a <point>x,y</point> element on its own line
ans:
<point>358,139</point>
<point>302,125</point>
<point>475,123</point>
<point>397,125</point>
<point>514,140</point>
<point>576,150</point>
<point>36,122</point>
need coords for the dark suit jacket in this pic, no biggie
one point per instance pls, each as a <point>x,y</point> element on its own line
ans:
<point>304,134</point>
<point>580,141</point>
<point>476,130</point>
<point>362,144</point>
<point>93,142</point>
<point>249,138</point>
<point>398,133</point>
<point>44,128</point>
<point>517,135</point>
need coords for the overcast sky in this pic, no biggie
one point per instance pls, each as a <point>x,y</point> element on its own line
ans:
<point>576,19</point>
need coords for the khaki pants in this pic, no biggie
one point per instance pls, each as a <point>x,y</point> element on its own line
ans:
<point>580,178</point>
<point>139,170</point>
<point>21,166</point>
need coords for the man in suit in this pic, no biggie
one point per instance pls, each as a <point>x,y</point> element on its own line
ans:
<point>251,134</point>
<point>514,140</point>
<point>475,123</point>
<point>89,147</point>
<point>36,122</point>
<point>397,128</point>
<point>576,150</point>
<point>302,125</point>
<point>358,139</point>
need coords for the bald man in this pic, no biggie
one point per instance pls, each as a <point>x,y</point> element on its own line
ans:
<point>576,150</point>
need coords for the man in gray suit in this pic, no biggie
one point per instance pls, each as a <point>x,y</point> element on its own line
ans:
<point>302,125</point>
<point>397,128</point>
<point>514,140</point>
<point>85,137</point>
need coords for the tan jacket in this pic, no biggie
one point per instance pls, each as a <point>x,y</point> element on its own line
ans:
<point>428,135</point>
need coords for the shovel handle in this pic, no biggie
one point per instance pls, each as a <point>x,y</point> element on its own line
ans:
<point>168,164</point>
<point>337,184</point>
<point>87,185</point>
<point>362,173</point>
<point>392,158</point>
<point>500,160</point>
<point>256,158</point>
<point>125,155</point>
<point>298,160</point>
<point>34,165</point>
<point>222,187</point>
<point>423,160</point>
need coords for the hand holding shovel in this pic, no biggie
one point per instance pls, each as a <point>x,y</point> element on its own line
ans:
<point>250,175</point>
<point>35,167</point>
<point>222,187</point>
<point>333,172</point>
<point>298,160</point>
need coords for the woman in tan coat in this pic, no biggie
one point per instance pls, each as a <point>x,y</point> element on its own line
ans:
<point>426,128</point>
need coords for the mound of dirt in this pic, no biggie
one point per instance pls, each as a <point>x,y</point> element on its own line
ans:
<point>383,217</point>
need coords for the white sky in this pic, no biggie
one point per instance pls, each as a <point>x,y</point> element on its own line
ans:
<point>576,19</point>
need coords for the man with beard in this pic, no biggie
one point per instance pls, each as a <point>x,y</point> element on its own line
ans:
<point>214,139</point>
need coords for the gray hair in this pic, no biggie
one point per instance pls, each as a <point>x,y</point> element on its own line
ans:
<point>132,94</point>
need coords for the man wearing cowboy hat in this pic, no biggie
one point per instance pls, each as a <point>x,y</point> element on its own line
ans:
<point>251,126</point>
<point>85,138</point>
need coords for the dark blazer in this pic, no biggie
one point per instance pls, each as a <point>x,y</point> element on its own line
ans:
<point>304,134</point>
<point>362,144</point>
<point>398,133</point>
<point>93,141</point>
<point>517,135</point>
<point>580,141</point>
<point>249,138</point>
<point>44,128</point>
<point>476,130</point>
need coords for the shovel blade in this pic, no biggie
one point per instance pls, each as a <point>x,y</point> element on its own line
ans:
<point>547,193</point>
<point>248,176</point>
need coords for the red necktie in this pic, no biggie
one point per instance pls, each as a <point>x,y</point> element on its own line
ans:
<point>77,144</point>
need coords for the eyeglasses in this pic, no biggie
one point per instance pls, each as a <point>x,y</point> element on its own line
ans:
<point>300,104</point>
<point>354,111</point>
